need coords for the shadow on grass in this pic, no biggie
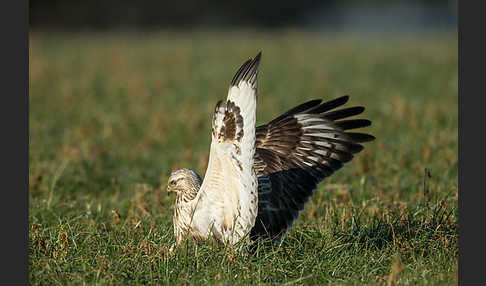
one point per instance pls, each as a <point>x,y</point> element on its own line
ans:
<point>403,229</point>
<point>416,229</point>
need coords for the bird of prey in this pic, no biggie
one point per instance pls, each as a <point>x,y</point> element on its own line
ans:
<point>258,179</point>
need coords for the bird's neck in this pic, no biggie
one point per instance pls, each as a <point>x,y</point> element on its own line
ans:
<point>184,206</point>
<point>183,212</point>
<point>187,197</point>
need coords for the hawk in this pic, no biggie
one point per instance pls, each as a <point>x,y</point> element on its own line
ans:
<point>258,179</point>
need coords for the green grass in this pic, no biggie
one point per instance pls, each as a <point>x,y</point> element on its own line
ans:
<point>111,114</point>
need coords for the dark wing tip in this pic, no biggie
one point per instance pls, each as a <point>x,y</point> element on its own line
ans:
<point>247,72</point>
<point>343,113</point>
<point>360,137</point>
<point>258,56</point>
<point>331,104</point>
<point>353,123</point>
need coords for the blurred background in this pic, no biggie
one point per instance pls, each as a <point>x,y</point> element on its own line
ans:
<point>104,72</point>
<point>378,15</point>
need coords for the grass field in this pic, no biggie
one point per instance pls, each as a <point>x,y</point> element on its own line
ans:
<point>111,114</point>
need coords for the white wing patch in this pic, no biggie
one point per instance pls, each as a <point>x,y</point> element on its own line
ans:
<point>228,194</point>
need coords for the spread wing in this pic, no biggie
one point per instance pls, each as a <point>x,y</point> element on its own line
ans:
<point>229,189</point>
<point>295,152</point>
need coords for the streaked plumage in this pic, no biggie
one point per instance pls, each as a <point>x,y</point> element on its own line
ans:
<point>259,179</point>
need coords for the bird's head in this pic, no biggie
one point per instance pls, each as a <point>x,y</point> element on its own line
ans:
<point>184,182</point>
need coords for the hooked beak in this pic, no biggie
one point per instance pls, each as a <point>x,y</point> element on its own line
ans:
<point>169,191</point>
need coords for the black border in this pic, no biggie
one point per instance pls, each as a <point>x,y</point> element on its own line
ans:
<point>14,24</point>
<point>471,85</point>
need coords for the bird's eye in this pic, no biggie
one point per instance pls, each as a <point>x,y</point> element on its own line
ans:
<point>172,183</point>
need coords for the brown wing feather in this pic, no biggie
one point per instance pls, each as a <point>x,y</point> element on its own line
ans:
<point>295,152</point>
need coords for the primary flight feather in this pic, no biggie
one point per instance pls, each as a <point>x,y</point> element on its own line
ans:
<point>259,179</point>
